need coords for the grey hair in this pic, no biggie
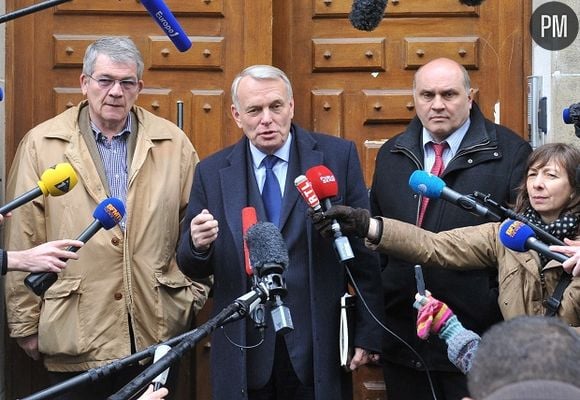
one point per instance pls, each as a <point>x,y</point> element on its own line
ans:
<point>466,79</point>
<point>260,72</point>
<point>119,49</point>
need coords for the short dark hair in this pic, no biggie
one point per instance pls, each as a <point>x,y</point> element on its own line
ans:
<point>524,348</point>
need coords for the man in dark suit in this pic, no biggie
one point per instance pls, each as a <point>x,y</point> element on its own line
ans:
<point>477,154</point>
<point>303,364</point>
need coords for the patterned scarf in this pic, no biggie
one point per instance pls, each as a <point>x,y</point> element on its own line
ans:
<point>564,227</point>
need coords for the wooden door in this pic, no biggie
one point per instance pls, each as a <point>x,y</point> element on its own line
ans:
<point>358,85</point>
<point>348,83</point>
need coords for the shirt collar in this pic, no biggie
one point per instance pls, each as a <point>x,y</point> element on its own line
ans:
<point>125,131</point>
<point>453,140</point>
<point>283,152</point>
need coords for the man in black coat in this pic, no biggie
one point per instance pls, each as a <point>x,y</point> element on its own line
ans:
<point>478,155</point>
<point>303,364</point>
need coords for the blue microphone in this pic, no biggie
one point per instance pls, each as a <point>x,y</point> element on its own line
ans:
<point>165,19</point>
<point>108,213</point>
<point>517,236</point>
<point>432,186</point>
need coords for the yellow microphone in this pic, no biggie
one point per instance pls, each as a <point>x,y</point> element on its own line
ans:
<point>55,181</point>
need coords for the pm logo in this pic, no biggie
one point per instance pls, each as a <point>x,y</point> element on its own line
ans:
<point>554,26</point>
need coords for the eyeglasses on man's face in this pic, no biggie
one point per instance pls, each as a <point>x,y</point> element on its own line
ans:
<point>108,83</point>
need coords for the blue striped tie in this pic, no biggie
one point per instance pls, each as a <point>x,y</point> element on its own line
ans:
<point>271,194</point>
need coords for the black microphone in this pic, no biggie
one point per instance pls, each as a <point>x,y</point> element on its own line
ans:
<point>108,213</point>
<point>517,236</point>
<point>366,15</point>
<point>432,186</point>
<point>269,259</point>
<point>56,181</point>
<point>571,115</point>
<point>471,2</point>
<point>165,19</point>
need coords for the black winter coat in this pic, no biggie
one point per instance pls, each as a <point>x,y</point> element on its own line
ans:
<point>491,159</point>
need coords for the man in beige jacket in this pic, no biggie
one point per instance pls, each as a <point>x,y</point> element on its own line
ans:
<point>125,292</point>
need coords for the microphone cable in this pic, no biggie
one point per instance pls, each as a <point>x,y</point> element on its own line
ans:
<point>386,329</point>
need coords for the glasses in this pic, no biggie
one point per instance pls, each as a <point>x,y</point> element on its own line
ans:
<point>108,83</point>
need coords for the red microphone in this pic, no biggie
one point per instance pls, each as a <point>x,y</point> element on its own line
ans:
<point>323,183</point>
<point>249,218</point>
<point>324,186</point>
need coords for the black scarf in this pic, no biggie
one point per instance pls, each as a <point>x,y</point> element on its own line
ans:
<point>564,227</point>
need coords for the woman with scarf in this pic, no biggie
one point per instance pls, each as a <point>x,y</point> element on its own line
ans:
<point>547,198</point>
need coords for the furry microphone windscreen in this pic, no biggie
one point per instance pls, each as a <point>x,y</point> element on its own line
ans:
<point>366,15</point>
<point>266,246</point>
<point>471,2</point>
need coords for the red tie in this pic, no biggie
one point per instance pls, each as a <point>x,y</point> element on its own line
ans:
<point>437,169</point>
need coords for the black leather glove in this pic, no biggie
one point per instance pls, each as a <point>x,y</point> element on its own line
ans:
<point>321,223</point>
<point>353,221</point>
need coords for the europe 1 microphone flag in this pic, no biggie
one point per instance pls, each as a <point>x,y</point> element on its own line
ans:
<point>517,236</point>
<point>165,19</point>
<point>108,213</point>
<point>325,187</point>
<point>55,181</point>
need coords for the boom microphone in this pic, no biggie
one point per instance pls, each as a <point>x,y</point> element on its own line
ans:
<point>108,213</point>
<point>159,381</point>
<point>432,186</point>
<point>366,15</point>
<point>471,2</point>
<point>165,19</point>
<point>56,180</point>
<point>324,184</point>
<point>517,236</point>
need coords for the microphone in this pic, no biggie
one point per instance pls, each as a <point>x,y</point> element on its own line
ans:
<point>305,188</point>
<point>108,213</point>
<point>56,180</point>
<point>324,184</point>
<point>249,219</point>
<point>432,186</point>
<point>269,258</point>
<point>159,381</point>
<point>165,19</point>
<point>571,115</point>
<point>471,2</point>
<point>366,15</point>
<point>517,236</point>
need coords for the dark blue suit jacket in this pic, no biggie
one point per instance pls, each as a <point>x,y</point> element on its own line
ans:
<point>224,183</point>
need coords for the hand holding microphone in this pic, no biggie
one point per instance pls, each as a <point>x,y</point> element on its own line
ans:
<point>572,250</point>
<point>325,187</point>
<point>55,181</point>
<point>108,213</point>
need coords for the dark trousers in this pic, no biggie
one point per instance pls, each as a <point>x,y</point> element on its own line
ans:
<point>407,383</point>
<point>283,384</point>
